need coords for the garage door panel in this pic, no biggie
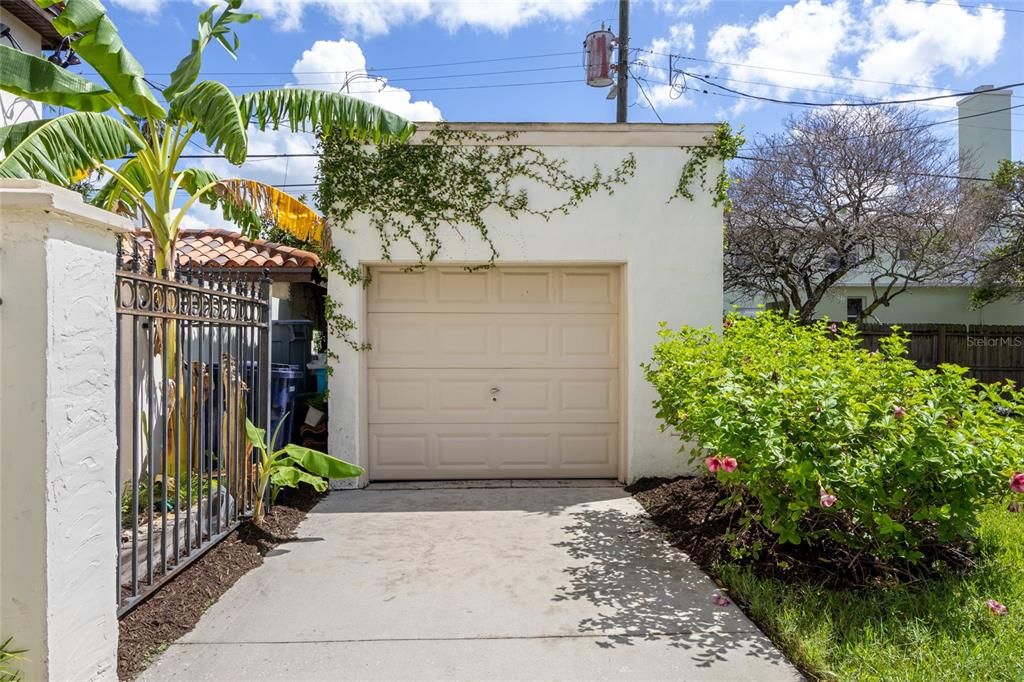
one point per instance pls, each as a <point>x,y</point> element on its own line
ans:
<point>494,450</point>
<point>525,286</point>
<point>463,450</point>
<point>399,450</point>
<point>589,286</point>
<point>455,286</point>
<point>510,289</point>
<point>511,372</point>
<point>425,340</point>
<point>395,286</point>
<point>467,396</point>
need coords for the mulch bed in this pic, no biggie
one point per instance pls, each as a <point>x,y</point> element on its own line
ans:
<point>175,608</point>
<point>688,509</point>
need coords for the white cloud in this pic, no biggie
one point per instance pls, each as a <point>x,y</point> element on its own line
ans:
<point>504,15</point>
<point>681,7</point>
<point>912,42</point>
<point>147,7</point>
<point>323,66</point>
<point>807,37</point>
<point>377,17</point>
<point>328,63</point>
<point>808,43</point>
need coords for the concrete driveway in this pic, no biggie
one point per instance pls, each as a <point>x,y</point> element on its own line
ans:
<point>510,581</point>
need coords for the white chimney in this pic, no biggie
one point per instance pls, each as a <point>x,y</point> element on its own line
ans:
<point>984,130</point>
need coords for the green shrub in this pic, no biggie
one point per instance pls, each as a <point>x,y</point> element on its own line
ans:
<point>823,442</point>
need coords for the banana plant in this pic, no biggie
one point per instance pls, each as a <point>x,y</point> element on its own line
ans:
<point>121,128</point>
<point>291,465</point>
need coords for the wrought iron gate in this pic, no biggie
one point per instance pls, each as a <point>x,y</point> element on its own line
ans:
<point>193,363</point>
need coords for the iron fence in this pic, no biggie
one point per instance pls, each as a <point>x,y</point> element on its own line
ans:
<point>193,363</point>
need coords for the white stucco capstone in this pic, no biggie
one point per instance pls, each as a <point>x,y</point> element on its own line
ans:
<point>58,502</point>
<point>670,253</point>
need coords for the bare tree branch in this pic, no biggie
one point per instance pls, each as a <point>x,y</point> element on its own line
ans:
<point>843,196</point>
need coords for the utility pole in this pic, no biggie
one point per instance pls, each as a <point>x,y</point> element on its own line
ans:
<point>622,72</point>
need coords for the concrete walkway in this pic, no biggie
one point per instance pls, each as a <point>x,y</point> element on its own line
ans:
<point>542,583</point>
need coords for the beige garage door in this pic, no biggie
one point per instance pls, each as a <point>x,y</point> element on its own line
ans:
<point>503,373</point>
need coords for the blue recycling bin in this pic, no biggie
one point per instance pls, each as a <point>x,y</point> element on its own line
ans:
<point>286,382</point>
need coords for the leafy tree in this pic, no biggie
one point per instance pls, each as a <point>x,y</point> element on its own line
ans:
<point>122,122</point>
<point>869,193</point>
<point>1002,272</point>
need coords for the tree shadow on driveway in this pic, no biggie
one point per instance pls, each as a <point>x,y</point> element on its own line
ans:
<point>644,589</point>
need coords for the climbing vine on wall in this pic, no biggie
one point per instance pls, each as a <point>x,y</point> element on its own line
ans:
<point>724,145</point>
<point>452,179</point>
<point>457,179</point>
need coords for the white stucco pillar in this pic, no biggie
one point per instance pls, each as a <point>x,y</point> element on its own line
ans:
<point>57,432</point>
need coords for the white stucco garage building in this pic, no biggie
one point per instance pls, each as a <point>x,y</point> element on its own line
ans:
<point>531,369</point>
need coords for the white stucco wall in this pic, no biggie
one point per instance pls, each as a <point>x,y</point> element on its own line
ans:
<point>671,253</point>
<point>58,502</point>
<point>949,305</point>
<point>15,109</point>
<point>934,305</point>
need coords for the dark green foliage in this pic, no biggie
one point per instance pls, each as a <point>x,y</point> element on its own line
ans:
<point>910,456</point>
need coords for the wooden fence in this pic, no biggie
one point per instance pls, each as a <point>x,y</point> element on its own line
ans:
<point>991,352</point>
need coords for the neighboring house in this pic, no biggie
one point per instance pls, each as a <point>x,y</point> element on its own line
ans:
<point>984,140</point>
<point>531,369</point>
<point>24,26</point>
<point>293,272</point>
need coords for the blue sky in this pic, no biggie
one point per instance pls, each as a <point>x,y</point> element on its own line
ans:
<point>806,50</point>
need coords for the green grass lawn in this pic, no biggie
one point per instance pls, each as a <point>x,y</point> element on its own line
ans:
<point>940,630</point>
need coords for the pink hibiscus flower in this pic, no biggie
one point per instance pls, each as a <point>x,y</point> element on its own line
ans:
<point>1017,483</point>
<point>713,464</point>
<point>996,607</point>
<point>899,412</point>
<point>827,499</point>
<point>730,464</point>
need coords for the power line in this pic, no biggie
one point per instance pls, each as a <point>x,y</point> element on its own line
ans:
<point>376,74</point>
<point>857,137</point>
<point>801,73</point>
<point>785,86</point>
<point>388,68</point>
<point>643,92</point>
<point>776,100</point>
<point>282,155</point>
<point>466,87</point>
<point>921,174</point>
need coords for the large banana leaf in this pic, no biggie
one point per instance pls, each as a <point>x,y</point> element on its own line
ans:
<point>63,147</point>
<point>214,110</point>
<point>13,135</point>
<point>283,476</point>
<point>239,213</point>
<point>99,44</point>
<point>274,206</point>
<point>187,70</point>
<point>309,110</point>
<point>114,197</point>
<point>252,205</point>
<point>36,79</point>
<point>320,463</point>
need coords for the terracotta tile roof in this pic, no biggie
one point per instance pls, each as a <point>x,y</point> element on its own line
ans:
<point>226,249</point>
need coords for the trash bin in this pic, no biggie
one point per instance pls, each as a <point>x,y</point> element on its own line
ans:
<point>286,381</point>
<point>291,343</point>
